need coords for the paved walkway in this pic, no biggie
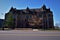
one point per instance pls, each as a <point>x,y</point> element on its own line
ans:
<point>29,35</point>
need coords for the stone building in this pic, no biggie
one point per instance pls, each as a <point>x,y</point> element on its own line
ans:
<point>31,18</point>
<point>1,23</point>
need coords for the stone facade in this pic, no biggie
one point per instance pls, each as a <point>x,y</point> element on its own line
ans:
<point>32,18</point>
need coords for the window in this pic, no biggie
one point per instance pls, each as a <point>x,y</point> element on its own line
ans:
<point>40,15</point>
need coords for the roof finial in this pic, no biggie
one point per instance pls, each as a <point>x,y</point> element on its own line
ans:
<point>11,8</point>
<point>44,6</point>
<point>27,8</point>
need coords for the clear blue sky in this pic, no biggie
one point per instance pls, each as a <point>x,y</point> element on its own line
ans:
<point>54,5</point>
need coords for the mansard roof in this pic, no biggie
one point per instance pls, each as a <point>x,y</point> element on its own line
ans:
<point>43,8</point>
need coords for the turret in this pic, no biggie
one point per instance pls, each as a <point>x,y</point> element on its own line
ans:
<point>27,8</point>
<point>44,7</point>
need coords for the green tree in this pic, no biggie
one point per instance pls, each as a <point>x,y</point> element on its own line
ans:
<point>9,20</point>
